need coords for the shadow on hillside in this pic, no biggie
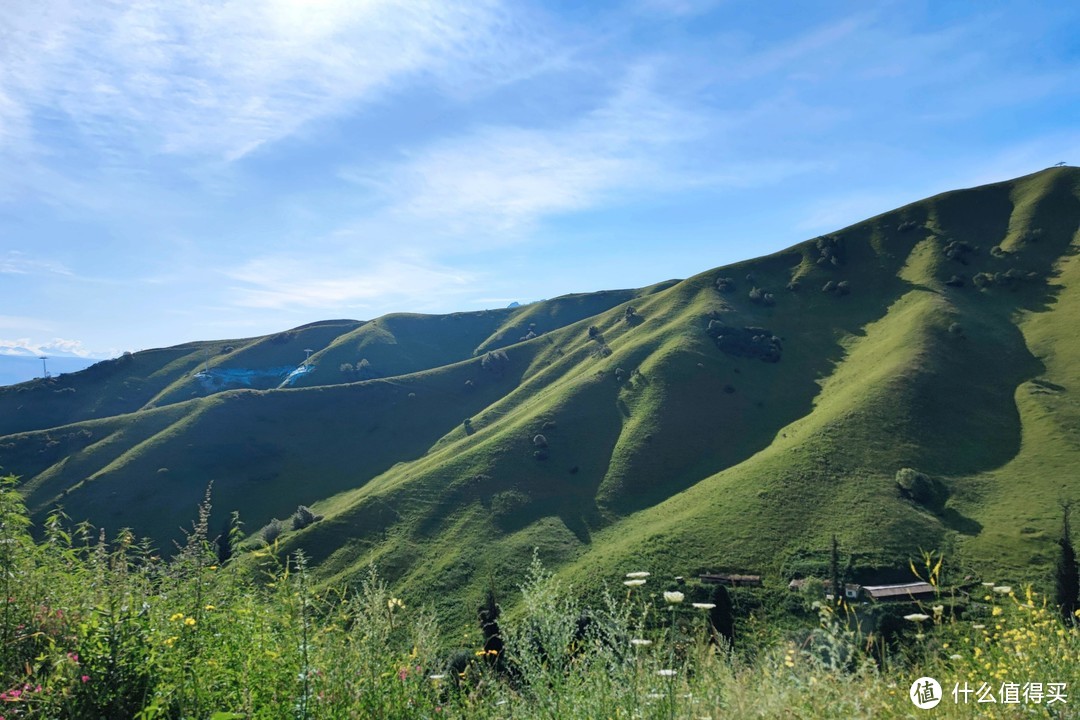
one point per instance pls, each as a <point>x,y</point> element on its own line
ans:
<point>960,523</point>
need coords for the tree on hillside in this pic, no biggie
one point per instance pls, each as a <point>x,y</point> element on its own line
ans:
<point>1068,575</point>
<point>834,572</point>
<point>488,614</point>
<point>722,616</point>
<point>230,537</point>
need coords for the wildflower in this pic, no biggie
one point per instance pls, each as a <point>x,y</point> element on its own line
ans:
<point>633,583</point>
<point>190,622</point>
<point>978,627</point>
<point>209,607</point>
<point>176,616</point>
<point>917,617</point>
<point>437,677</point>
<point>639,642</point>
<point>956,656</point>
<point>1003,589</point>
<point>86,678</point>
<point>989,584</point>
<point>639,574</point>
<point>996,611</point>
<point>666,673</point>
<point>704,606</point>
<point>212,567</point>
<point>394,602</point>
<point>673,597</point>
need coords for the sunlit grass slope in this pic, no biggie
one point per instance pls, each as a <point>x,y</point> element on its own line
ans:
<point>615,430</point>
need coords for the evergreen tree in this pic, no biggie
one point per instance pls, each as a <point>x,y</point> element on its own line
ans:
<point>834,572</point>
<point>722,616</point>
<point>488,614</point>
<point>1068,575</point>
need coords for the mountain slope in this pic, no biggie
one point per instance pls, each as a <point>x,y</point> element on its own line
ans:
<point>736,419</point>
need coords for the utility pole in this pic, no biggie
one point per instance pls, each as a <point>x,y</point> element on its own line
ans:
<point>44,371</point>
<point>308,351</point>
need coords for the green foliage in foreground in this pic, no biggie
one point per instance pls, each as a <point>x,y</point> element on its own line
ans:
<point>96,629</point>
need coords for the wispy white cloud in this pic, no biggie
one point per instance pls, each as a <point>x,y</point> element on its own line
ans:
<point>282,281</point>
<point>224,78</point>
<point>14,262</point>
<point>499,179</point>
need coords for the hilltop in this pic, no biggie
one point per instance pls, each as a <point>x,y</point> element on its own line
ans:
<point>734,420</point>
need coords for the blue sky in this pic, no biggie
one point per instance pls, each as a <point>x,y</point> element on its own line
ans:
<point>173,171</point>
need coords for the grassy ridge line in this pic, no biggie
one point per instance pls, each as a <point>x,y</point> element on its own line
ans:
<point>671,467</point>
<point>281,350</point>
<point>902,527</point>
<point>109,388</point>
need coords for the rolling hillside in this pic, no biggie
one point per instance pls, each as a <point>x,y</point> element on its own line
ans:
<point>733,420</point>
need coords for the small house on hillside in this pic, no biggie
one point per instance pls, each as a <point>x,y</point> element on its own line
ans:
<point>901,592</point>
<point>731,580</point>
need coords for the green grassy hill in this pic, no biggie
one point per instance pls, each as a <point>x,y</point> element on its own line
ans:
<point>734,420</point>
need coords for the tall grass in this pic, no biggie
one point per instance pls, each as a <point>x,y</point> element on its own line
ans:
<point>92,627</point>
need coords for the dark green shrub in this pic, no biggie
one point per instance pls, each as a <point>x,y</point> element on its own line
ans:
<point>956,329</point>
<point>829,287</point>
<point>921,488</point>
<point>271,531</point>
<point>754,342</point>
<point>843,288</point>
<point>958,250</point>
<point>364,371</point>
<point>304,517</point>
<point>955,281</point>
<point>831,251</point>
<point>346,368</point>
<point>540,441</point>
<point>906,226</point>
<point>495,361</point>
<point>724,284</point>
